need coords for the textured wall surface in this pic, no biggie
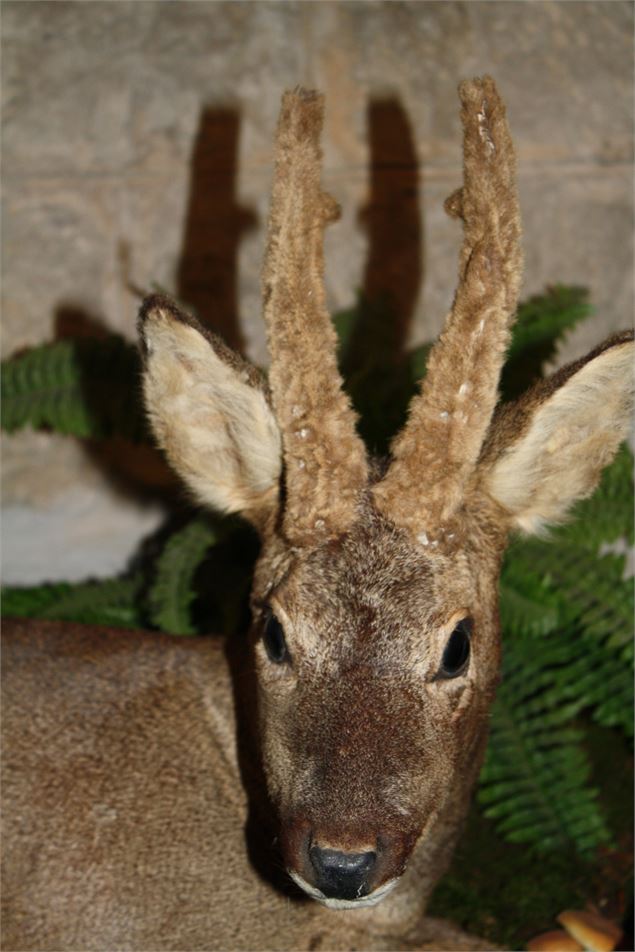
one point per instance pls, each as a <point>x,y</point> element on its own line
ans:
<point>137,149</point>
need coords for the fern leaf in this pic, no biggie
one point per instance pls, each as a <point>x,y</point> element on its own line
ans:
<point>540,323</point>
<point>527,606</point>
<point>345,323</point>
<point>31,601</point>
<point>172,592</point>
<point>84,387</point>
<point>534,784</point>
<point>113,602</point>
<point>588,663</point>
<point>608,514</point>
<point>417,363</point>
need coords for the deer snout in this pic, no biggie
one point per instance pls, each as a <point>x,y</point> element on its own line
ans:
<point>343,870</point>
<point>342,875</point>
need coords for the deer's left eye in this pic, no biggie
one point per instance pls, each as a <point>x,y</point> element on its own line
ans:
<point>274,640</point>
<point>457,651</point>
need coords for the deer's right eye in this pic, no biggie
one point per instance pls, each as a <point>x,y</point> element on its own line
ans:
<point>274,640</point>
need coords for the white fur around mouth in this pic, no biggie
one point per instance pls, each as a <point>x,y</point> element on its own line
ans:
<point>370,900</point>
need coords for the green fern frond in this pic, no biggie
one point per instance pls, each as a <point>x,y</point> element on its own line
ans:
<point>113,602</point>
<point>593,634</point>
<point>566,615</point>
<point>535,781</point>
<point>31,601</point>
<point>600,677</point>
<point>345,323</point>
<point>540,323</point>
<point>607,515</point>
<point>529,603</point>
<point>85,387</point>
<point>594,587</point>
<point>173,592</point>
<point>417,363</point>
<point>543,318</point>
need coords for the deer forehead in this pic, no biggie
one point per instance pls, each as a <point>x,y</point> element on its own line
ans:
<point>372,590</point>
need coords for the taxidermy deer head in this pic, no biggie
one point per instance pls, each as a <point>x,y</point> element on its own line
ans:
<point>375,631</point>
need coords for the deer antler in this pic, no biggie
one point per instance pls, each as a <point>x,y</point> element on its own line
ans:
<point>325,460</point>
<point>435,453</point>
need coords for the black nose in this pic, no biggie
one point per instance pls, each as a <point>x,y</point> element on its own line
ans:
<point>342,875</point>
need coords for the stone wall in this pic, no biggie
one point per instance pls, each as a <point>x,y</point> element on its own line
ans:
<point>137,149</point>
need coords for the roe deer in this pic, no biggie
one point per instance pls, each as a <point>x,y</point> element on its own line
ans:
<point>131,769</point>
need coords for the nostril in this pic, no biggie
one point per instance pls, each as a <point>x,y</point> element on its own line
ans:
<point>342,875</point>
<point>336,860</point>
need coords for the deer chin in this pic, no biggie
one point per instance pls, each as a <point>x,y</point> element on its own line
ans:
<point>370,900</point>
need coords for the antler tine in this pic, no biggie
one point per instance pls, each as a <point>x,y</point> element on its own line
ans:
<point>325,460</point>
<point>437,450</point>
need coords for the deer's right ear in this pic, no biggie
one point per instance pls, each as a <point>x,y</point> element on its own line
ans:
<point>548,449</point>
<point>210,412</point>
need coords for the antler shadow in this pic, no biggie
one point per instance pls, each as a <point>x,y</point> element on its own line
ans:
<point>374,353</point>
<point>214,227</point>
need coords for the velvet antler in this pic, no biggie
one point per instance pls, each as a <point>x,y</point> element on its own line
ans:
<point>324,459</point>
<point>437,449</point>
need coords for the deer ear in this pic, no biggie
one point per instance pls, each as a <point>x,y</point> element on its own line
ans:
<point>549,448</point>
<point>210,412</point>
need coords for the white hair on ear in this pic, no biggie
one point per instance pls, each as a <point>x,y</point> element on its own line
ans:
<point>572,436</point>
<point>215,425</point>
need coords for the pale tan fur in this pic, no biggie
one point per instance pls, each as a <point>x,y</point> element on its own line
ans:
<point>151,789</point>
<point>435,453</point>
<point>572,436</point>
<point>217,429</point>
<point>325,461</point>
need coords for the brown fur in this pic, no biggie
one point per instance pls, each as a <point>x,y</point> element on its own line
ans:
<point>125,807</point>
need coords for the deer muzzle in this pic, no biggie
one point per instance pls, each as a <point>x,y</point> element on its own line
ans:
<point>343,870</point>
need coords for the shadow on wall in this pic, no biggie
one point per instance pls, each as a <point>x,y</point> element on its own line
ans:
<point>374,357</point>
<point>207,282</point>
<point>106,372</point>
<point>207,277</point>
<point>394,266</point>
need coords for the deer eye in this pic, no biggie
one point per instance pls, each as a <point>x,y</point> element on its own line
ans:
<point>274,640</point>
<point>457,651</point>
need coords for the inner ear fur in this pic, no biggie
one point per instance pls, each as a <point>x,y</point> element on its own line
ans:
<point>210,411</point>
<point>548,449</point>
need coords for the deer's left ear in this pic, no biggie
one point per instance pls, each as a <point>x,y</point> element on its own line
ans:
<point>548,449</point>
